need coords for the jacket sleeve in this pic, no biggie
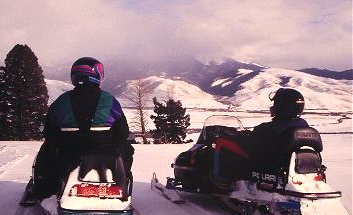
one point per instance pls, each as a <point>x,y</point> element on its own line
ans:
<point>120,135</point>
<point>121,130</point>
<point>120,126</point>
<point>51,131</point>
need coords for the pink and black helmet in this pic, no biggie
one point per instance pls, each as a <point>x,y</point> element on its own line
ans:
<point>87,70</point>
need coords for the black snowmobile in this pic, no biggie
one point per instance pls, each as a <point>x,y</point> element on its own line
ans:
<point>220,164</point>
<point>95,182</point>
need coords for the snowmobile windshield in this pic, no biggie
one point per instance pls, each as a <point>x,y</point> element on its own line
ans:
<point>215,125</point>
<point>224,120</point>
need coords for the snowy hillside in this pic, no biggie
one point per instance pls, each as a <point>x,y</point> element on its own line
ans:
<point>56,88</point>
<point>163,88</point>
<point>319,92</point>
<point>249,90</point>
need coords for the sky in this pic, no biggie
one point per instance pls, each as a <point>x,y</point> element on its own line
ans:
<point>276,33</point>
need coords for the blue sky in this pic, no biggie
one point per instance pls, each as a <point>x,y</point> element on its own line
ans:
<point>277,33</point>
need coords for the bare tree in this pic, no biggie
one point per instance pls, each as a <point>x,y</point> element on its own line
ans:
<point>137,96</point>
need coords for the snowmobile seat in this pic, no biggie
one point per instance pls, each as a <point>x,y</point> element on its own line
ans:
<point>299,137</point>
<point>101,163</point>
<point>287,142</point>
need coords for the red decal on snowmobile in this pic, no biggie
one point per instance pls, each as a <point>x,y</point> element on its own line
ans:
<point>233,146</point>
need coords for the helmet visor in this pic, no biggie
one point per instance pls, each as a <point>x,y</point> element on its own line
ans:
<point>99,69</point>
<point>83,69</point>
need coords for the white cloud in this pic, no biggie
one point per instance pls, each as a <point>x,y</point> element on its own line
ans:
<point>292,34</point>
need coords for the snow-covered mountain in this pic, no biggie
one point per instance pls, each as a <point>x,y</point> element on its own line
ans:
<point>160,87</point>
<point>319,92</point>
<point>164,88</point>
<point>56,88</point>
<point>246,86</point>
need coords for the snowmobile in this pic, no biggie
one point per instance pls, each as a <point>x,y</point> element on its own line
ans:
<point>99,184</point>
<point>220,165</point>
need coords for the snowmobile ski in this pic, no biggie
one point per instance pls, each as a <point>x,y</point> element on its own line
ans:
<point>170,194</point>
<point>29,204</point>
<point>313,196</point>
<point>28,197</point>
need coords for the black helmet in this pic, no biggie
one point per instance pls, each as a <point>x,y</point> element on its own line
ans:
<point>87,70</point>
<point>287,103</point>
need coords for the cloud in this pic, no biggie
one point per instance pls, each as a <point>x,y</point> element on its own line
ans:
<point>291,34</point>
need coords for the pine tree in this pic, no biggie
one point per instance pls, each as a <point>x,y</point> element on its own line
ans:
<point>171,122</point>
<point>23,94</point>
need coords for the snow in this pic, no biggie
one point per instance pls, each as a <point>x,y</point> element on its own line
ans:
<point>219,81</point>
<point>56,88</point>
<point>244,71</point>
<point>163,88</point>
<point>319,93</point>
<point>16,160</point>
<point>328,109</point>
<point>223,82</point>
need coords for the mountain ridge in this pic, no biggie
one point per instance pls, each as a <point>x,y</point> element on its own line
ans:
<point>244,86</point>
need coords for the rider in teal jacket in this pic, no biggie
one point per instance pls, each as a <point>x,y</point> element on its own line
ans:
<point>82,120</point>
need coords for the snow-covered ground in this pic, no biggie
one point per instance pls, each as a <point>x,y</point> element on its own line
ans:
<point>16,159</point>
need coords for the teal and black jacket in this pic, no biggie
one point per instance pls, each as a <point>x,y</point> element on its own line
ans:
<point>83,121</point>
<point>87,118</point>
<point>75,110</point>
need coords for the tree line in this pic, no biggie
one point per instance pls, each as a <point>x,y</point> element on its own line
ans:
<point>24,104</point>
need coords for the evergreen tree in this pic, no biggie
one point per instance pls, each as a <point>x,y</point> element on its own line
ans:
<point>23,96</point>
<point>171,122</point>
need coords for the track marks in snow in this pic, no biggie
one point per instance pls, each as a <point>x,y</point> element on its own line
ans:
<point>16,159</point>
<point>8,158</point>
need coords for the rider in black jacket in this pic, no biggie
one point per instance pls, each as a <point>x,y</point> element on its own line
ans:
<point>267,138</point>
<point>84,120</point>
